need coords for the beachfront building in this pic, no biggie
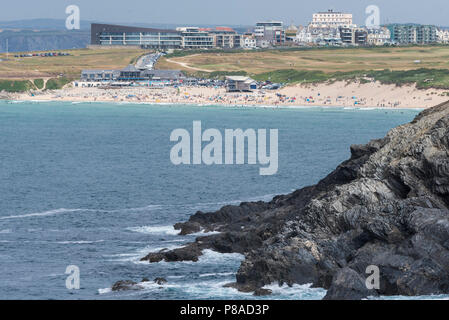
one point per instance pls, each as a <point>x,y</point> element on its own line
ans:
<point>378,36</point>
<point>240,84</point>
<point>412,33</point>
<point>331,19</point>
<point>249,41</point>
<point>270,33</point>
<point>115,35</point>
<point>194,38</point>
<point>164,75</point>
<point>443,36</point>
<point>99,75</point>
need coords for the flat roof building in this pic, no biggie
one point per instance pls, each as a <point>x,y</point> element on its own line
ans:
<point>331,19</point>
<point>271,32</point>
<point>194,38</point>
<point>115,35</point>
<point>413,33</point>
<point>240,84</point>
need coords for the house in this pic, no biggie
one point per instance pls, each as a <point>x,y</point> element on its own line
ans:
<point>240,84</point>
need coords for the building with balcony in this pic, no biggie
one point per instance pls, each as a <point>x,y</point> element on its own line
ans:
<point>100,75</point>
<point>353,36</point>
<point>378,36</point>
<point>271,32</point>
<point>115,35</point>
<point>413,34</point>
<point>194,38</point>
<point>226,38</point>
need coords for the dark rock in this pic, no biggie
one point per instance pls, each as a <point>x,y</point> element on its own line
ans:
<point>386,206</point>
<point>348,285</point>
<point>145,280</point>
<point>262,292</point>
<point>126,285</point>
<point>160,281</point>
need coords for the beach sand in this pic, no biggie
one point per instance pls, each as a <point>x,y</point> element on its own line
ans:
<point>337,94</point>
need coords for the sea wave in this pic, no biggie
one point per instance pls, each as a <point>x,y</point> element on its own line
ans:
<point>168,230</point>
<point>43,214</point>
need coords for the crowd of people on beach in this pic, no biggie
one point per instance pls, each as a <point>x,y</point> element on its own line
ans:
<point>339,94</point>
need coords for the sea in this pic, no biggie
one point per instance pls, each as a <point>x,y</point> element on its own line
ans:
<point>91,185</point>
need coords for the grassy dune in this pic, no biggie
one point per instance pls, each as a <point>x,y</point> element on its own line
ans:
<point>397,65</point>
<point>69,66</point>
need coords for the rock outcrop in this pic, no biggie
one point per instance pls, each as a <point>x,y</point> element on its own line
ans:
<point>387,206</point>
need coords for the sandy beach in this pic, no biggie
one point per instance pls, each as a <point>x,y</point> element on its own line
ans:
<point>338,94</point>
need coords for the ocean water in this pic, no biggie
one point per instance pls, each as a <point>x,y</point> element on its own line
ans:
<point>92,185</point>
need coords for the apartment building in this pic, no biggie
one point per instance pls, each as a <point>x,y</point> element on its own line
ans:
<point>225,37</point>
<point>378,36</point>
<point>442,36</point>
<point>269,33</point>
<point>413,33</point>
<point>249,41</point>
<point>353,36</point>
<point>194,38</point>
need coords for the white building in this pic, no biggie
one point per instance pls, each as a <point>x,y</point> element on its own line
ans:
<point>331,19</point>
<point>249,41</point>
<point>442,36</point>
<point>378,36</point>
<point>303,36</point>
<point>194,38</point>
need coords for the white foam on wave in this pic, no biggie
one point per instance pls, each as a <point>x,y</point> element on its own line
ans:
<point>79,242</point>
<point>169,230</point>
<point>295,292</point>
<point>104,291</point>
<point>5,231</point>
<point>217,274</point>
<point>66,211</point>
<point>43,214</point>
<point>213,257</point>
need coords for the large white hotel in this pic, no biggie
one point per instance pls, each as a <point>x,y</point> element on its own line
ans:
<point>331,19</point>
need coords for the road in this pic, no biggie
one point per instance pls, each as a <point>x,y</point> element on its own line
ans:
<point>147,62</point>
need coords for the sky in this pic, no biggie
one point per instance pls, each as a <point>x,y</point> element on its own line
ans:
<point>226,12</point>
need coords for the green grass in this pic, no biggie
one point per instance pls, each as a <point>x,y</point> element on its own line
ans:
<point>57,83</point>
<point>39,83</point>
<point>424,78</point>
<point>15,85</point>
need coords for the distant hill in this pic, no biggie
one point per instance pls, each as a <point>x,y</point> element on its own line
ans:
<point>27,40</point>
<point>51,34</point>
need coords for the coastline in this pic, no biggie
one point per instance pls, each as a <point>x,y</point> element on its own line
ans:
<point>338,94</point>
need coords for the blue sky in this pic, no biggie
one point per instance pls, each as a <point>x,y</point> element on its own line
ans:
<point>231,12</point>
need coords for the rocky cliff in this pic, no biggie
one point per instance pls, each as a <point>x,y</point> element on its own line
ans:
<point>387,206</point>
